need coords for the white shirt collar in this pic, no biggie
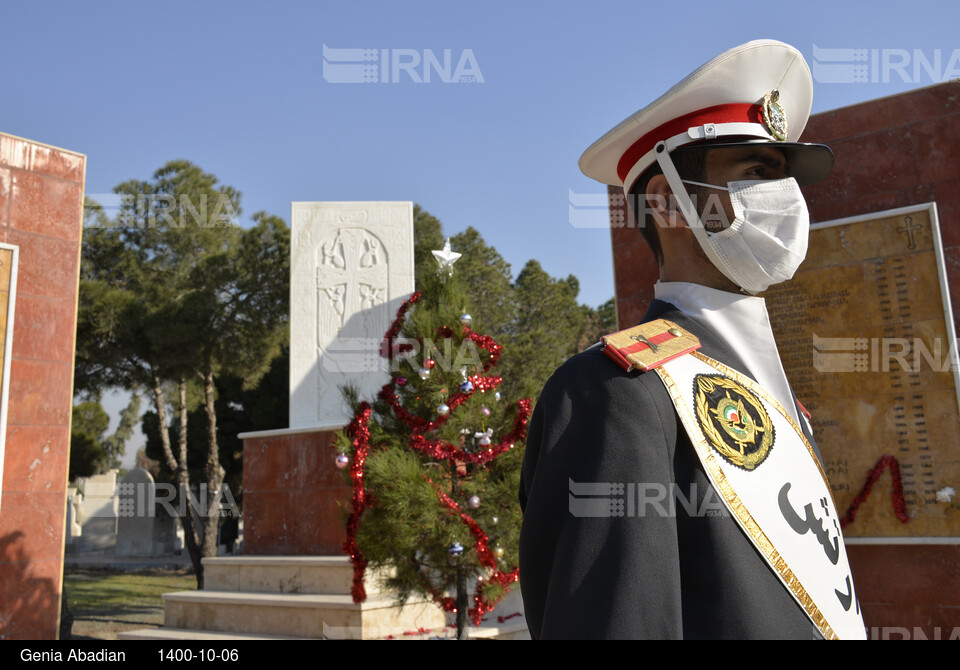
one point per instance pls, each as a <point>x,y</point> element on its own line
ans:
<point>742,322</point>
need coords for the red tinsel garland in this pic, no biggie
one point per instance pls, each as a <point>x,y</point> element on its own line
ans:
<point>442,450</point>
<point>487,559</point>
<point>482,604</point>
<point>359,432</point>
<point>482,547</point>
<point>486,343</point>
<point>386,347</point>
<point>899,504</point>
<point>419,424</point>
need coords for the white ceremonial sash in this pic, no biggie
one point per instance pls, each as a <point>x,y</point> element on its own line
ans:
<point>772,483</point>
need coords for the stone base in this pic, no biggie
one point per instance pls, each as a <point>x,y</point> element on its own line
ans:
<point>294,496</point>
<point>286,597</point>
<point>299,615</point>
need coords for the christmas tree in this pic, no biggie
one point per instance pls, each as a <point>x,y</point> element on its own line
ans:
<point>434,461</point>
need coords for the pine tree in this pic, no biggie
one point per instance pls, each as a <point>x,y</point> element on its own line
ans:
<point>435,460</point>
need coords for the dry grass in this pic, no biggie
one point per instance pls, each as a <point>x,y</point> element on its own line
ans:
<point>106,602</point>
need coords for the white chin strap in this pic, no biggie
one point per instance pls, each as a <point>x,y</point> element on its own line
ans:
<point>688,209</point>
<point>706,132</point>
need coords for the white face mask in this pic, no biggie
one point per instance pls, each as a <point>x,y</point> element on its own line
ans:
<point>767,240</point>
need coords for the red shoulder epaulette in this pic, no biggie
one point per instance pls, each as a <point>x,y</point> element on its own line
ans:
<point>648,345</point>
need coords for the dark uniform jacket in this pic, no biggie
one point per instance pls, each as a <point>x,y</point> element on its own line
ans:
<point>692,573</point>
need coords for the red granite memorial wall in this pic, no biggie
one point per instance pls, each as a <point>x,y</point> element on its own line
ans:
<point>41,203</point>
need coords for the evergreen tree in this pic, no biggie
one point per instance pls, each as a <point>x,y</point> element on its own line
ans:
<point>427,236</point>
<point>116,445</point>
<point>173,291</point>
<point>87,454</point>
<point>597,323</point>
<point>434,461</point>
<point>548,325</point>
<point>535,317</point>
<point>486,278</point>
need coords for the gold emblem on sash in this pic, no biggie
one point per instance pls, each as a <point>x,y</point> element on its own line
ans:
<point>733,420</point>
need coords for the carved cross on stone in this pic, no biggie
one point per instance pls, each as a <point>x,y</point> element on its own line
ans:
<point>352,279</point>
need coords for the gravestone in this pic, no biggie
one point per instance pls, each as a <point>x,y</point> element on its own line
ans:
<point>137,500</point>
<point>98,512</point>
<point>351,267</point>
<point>74,500</point>
<point>145,526</point>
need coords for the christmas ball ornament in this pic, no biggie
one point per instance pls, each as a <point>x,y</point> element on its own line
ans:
<point>497,395</point>
<point>343,461</point>
<point>443,409</point>
<point>429,363</point>
<point>499,552</point>
<point>401,380</point>
<point>455,549</point>
<point>424,373</point>
<point>486,411</point>
<point>473,502</point>
<point>466,386</point>
<point>466,319</point>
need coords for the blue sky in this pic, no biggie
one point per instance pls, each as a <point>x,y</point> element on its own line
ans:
<point>239,89</point>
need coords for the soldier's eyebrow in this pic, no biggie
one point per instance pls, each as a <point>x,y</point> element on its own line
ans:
<point>766,158</point>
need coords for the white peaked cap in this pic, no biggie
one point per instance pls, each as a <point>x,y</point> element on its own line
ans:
<point>758,92</point>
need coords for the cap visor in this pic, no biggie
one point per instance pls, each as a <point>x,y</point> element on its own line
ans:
<point>807,163</point>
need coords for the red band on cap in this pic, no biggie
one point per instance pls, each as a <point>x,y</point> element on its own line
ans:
<point>730,113</point>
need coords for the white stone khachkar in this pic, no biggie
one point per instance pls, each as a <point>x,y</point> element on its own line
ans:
<point>351,268</point>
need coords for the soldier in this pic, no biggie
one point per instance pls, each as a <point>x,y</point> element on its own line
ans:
<point>671,485</point>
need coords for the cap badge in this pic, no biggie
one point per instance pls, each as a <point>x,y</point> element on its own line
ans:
<point>774,118</point>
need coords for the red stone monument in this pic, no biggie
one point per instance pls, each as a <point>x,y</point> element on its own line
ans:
<point>41,210</point>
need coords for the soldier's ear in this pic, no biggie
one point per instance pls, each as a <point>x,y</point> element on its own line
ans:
<point>662,205</point>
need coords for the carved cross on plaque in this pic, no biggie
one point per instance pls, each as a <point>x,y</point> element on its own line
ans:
<point>909,227</point>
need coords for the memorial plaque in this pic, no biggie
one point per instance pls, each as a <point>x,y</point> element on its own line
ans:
<point>9,256</point>
<point>866,334</point>
<point>351,268</point>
